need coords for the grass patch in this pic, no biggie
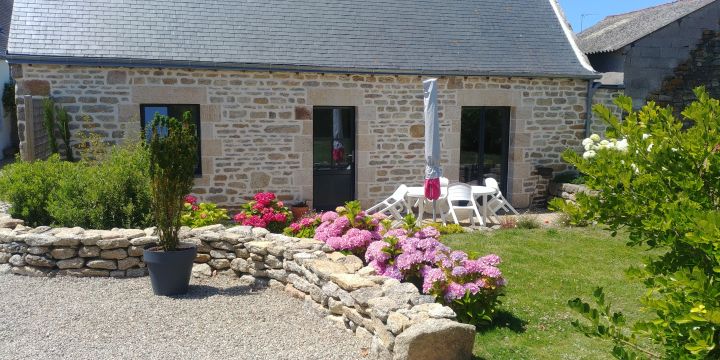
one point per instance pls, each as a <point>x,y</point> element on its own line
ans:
<point>545,268</point>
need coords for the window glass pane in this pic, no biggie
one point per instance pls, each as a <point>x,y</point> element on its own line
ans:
<point>149,115</point>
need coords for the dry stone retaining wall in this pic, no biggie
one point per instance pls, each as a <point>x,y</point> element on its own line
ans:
<point>398,321</point>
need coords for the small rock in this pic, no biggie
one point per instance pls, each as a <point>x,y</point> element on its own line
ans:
<point>127,263</point>
<point>16,260</point>
<point>85,272</point>
<point>240,265</point>
<point>117,274</point>
<point>201,271</point>
<point>137,272</point>
<point>30,271</point>
<point>5,269</point>
<point>362,296</point>
<point>144,240</point>
<point>275,285</point>
<point>74,263</point>
<point>202,258</point>
<point>219,264</point>
<point>260,232</point>
<point>89,251</point>
<point>102,264</point>
<point>37,250</point>
<point>114,254</point>
<point>62,253</point>
<point>366,271</point>
<point>397,322</point>
<point>216,254</point>
<point>351,282</point>
<point>442,312</point>
<point>40,261</point>
<point>107,244</point>
<point>135,251</point>
<point>324,268</point>
<point>5,257</point>
<point>222,245</point>
<point>352,263</point>
<point>258,247</point>
<point>38,239</point>
<point>247,280</point>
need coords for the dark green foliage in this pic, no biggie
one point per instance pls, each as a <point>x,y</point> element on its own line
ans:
<point>664,188</point>
<point>173,156</point>
<point>63,122</point>
<point>8,98</point>
<point>49,123</point>
<point>100,195</point>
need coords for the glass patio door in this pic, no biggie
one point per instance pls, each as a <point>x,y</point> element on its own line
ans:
<point>333,156</point>
<point>484,144</point>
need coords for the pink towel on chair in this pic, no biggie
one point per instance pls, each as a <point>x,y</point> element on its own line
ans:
<point>432,189</point>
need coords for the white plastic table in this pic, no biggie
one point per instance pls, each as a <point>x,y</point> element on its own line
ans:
<point>417,194</point>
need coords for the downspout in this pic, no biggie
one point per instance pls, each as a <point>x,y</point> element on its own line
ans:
<point>592,87</point>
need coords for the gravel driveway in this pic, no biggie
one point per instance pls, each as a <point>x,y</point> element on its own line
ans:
<point>82,318</point>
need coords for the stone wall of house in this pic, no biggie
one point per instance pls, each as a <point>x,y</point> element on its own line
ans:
<point>604,96</point>
<point>394,317</point>
<point>257,126</point>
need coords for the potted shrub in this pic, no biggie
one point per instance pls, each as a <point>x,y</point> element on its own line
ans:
<point>299,209</point>
<point>173,156</point>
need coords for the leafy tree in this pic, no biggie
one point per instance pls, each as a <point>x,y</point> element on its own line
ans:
<point>663,186</point>
<point>173,156</point>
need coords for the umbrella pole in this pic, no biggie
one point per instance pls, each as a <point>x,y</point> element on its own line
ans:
<point>434,209</point>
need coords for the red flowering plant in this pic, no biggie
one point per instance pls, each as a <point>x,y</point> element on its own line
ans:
<point>304,227</point>
<point>265,211</point>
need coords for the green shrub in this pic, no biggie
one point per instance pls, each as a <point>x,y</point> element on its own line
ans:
<point>28,187</point>
<point>527,222</point>
<point>447,229</point>
<point>660,181</point>
<point>173,155</point>
<point>103,195</point>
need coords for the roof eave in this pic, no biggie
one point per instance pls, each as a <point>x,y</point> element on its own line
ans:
<point>135,63</point>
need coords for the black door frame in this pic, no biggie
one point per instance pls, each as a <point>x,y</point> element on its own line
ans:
<point>353,130</point>
<point>505,156</point>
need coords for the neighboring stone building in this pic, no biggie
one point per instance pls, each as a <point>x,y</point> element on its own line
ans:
<point>316,100</point>
<point>659,53</point>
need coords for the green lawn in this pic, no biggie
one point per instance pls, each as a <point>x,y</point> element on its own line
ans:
<point>545,268</point>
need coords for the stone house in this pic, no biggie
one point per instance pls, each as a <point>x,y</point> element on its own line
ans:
<point>315,100</point>
<point>659,53</point>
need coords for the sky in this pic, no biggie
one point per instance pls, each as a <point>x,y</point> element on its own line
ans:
<point>585,13</point>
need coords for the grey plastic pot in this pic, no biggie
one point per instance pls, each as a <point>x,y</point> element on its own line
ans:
<point>169,271</point>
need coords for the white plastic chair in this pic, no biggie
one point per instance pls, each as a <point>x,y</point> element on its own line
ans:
<point>462,193</point>
<point>394,205</point>
<point>497,201</point>
<point>442,204</point>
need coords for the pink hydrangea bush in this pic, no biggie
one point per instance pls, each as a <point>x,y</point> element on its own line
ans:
<point>305,227</point>
<point>265,211</point>
<point>349,229</point>
<point>471,287</point>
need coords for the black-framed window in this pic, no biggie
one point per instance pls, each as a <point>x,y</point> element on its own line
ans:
<point>148,111</point>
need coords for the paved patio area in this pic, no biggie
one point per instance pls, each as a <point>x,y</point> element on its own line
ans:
<point>82,318</point>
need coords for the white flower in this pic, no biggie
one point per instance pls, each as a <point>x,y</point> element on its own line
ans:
<point>634,167</point>
<point>586,142</point>
<point>589,154</point>
<point>588,147</point>
<point>650,147</point>
<point>595,137</point>
<point>604,143</point>
<point>622,145</point>
<point>645,136</point>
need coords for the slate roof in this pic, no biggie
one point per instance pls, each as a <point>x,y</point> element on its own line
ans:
<point>470,37</point>
<point>615,32</point>
<point>5,13</point>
